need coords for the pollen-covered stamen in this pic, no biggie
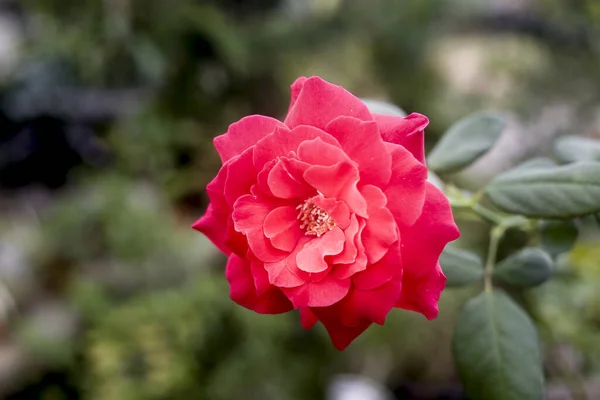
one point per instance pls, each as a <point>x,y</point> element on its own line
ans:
<point>314,220</point>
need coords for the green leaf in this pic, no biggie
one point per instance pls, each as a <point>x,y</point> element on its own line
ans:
<point>460,266</point>
<point>535,163</point>
<point>466,141</point>
<point>558,236</point>
<point>496,350</point>
<point>560,192</point>
<point>576,148</point>
<point>382,107</point>
<point>529,267</point>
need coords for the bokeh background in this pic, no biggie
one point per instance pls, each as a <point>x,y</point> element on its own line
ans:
<point>107,113</point>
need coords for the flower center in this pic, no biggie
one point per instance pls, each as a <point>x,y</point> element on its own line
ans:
<point>314,220</point>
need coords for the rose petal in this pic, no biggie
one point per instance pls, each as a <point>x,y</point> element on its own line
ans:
<point>281,142</point>
<point>318,294</point>
<point>362,142</point>
<point>318,152</point>
<point>285,272</point>
<point>244,134</point>
<point>406,189</point>
<point>307,318</point>
<point>337,181</point>
<point>319,102</point>
<point>381,272</point>
<point>312,256</point>
<point>285,180</point>
<point>407,132</point>
<point>211,224</point>
<point>282,228</point>
<point>340,334</point>
<point>422,245</point>
<point>371,305</point>
<point>381,230</point>
<point>348,254</point>
<point>240,177</point>
<point>243,292</point>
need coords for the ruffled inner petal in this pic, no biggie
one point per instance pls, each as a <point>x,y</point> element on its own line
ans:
<point>285,180</point>
<point>381,230</point>
<point>285,272</point>
<point>312,256</point>
<point>338,181</point>
<point>281,142</point>
<point>282,228</point>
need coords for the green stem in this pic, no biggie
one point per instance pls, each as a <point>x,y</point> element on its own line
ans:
<point>486,213</point>
<point>495,236</point>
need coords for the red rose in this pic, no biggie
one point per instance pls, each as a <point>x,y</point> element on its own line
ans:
<point>329,212</point>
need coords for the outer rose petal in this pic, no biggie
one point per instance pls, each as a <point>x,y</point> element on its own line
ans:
<point>319,102</point>
<point>341,335</point>
<point>362,142</point>
<point>243,134</point>
<point>371,305</point>
<point>240,177</point>
<point>295,90</point>
<point>243,291</point>
<point>422,245</point>
<point>381,272</point>
<point>406,190</point>
<point>217,213</point>
<point>422,295</point>
<point>211,224</point>
<point>408,132</point>
<point>307,318</point>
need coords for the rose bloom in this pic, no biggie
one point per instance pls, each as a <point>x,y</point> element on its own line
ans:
<point>329,212</point>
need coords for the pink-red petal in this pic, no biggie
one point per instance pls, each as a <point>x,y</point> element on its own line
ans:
<point>282,228</point>
<point>406,189</point>
<point>318,294</point>
<point>312,256</point>
<point>243,291</point>
<point>381,230</point>
<point>340,334</point>
<point>318,102</point>
<point>407,132</point>
<point>422,295</point>
<point>381,272</point>
<point>362,142</point>
<point>282,142</point>
<point>422,245</point>
<point>244,134</point>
